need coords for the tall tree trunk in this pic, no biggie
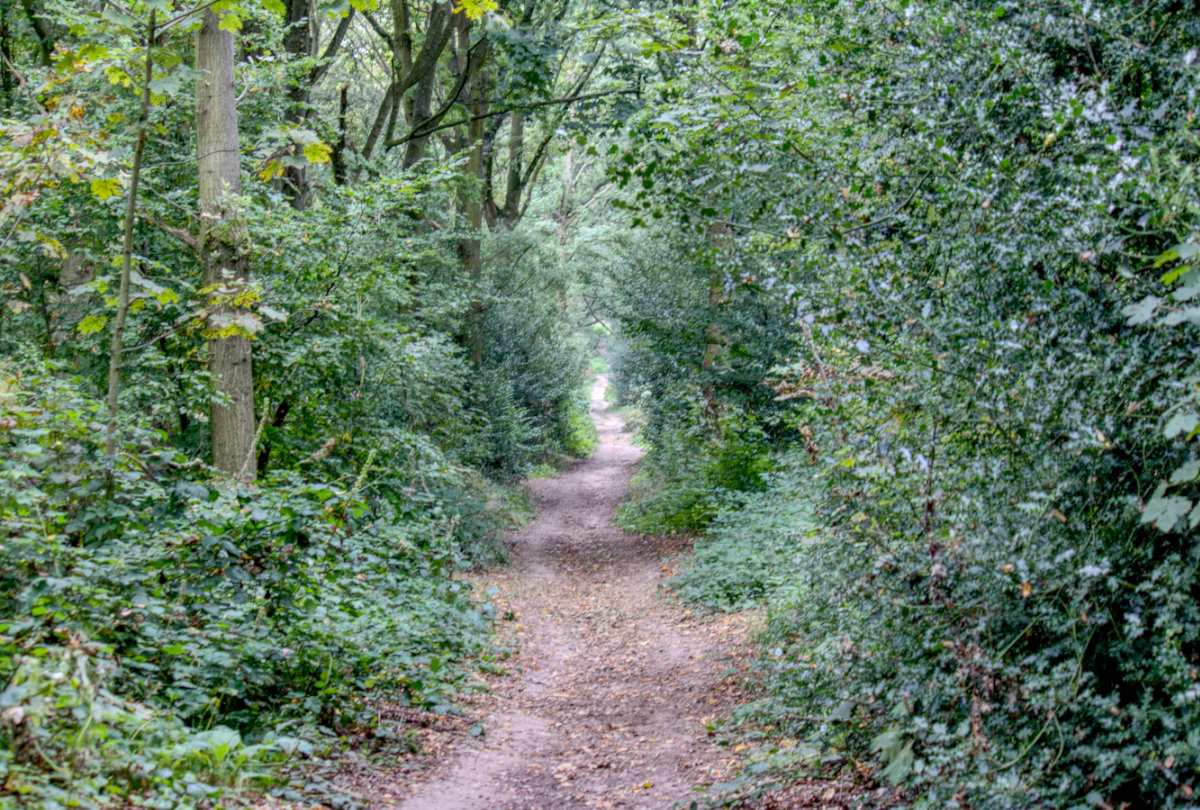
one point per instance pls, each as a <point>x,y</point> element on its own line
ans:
<point>299,40</point>
<point>6,78</point>
<point>714,340</point>
<point>222,249</point>
<point>472,246</point>
<point>342,146</point>
<point>41,29</point>
<point>117,347</point>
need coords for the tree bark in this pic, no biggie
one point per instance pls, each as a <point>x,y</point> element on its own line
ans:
<point>6,78</point>
<point>41,30</point>
<point>342,146</point>
<point>222,249</point>
<point>117,346</point>
<point>299,40</point>
<point>471,245</point>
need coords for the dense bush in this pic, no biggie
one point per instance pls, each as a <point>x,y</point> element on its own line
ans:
<point>225,604</point>
<point>969,209</point>
<point>335,315</point>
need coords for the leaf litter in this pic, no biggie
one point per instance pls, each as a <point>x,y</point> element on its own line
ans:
<point>614,697</point>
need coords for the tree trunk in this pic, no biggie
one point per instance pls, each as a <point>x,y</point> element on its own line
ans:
<point>222,249</point>
<point>41,30</point>
<point>472,244</point>
<point>117,346</point>
<point>299,40</point>
<point>342,146</point>
<point>6,77</point>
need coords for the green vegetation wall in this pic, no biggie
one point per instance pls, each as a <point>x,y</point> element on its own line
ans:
<point>977,224</point>
<point>172,632</point>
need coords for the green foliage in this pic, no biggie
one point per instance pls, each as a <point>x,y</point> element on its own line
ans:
<point>219,603</point>
<point>752,552</point>
<point>957,209</point>
<point>161,626</point>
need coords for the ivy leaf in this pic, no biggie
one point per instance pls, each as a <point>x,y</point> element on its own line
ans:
<point>1166,512</point>
<point>900,766</point>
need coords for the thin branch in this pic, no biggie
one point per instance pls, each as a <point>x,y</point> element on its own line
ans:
<point>379,29</point>
<point>114,360</point>
<point>331,50</point>
<point>421,132</point>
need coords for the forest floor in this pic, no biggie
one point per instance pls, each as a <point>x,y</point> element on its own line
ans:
<point>612,693</point>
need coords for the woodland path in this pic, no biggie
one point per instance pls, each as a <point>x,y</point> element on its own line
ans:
<point>607,708</point>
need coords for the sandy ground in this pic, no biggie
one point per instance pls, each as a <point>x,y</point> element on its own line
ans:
<point>609,706</point>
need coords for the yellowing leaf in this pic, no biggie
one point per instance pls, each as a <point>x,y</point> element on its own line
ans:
<point>270,170</point>
<point>106,188</point>
<point>1026,589</point>
<point>474,9</point>
<point>92,324</point>
<point>318,152</point>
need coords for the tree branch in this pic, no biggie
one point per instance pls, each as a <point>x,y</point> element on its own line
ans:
<point>335,43</point>
<point>421,132</point>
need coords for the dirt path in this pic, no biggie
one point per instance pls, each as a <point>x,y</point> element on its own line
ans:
<point>607,710</point>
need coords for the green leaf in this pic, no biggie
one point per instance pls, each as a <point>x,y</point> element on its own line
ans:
<point>1141,311</point>
<point>319,152</point>
<point>1190,288</point>
<point>900,766</point>
<point>174,649</point>
<point>1166,512</point>
<point>474,9</point>
<point>1188,472</point>
<point>92,324</point>
<point>106,188</point>
<point>1181,423</point>
<point>166,85</point>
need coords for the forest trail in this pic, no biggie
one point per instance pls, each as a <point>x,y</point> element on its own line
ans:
<point>607,709</point>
